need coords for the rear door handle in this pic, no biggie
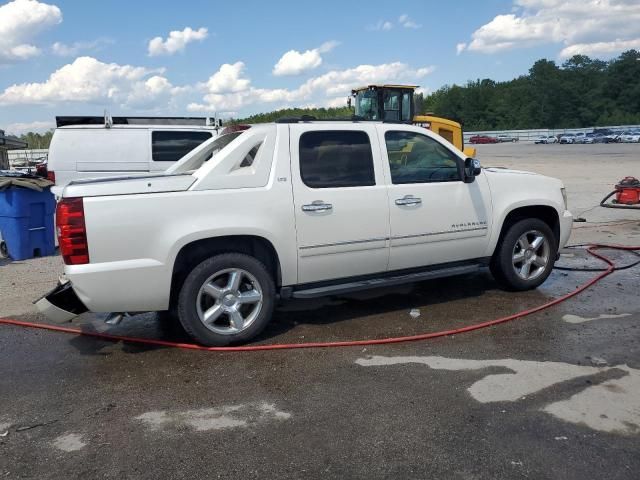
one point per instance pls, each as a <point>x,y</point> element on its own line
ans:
<point>408,200</point>
<point>317,206</point>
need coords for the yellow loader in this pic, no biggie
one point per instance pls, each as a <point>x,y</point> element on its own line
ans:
<point>394,103</point>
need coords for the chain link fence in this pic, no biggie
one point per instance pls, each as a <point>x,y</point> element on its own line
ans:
<point>26,160</point>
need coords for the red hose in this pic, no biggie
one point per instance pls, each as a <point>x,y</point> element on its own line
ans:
<point>355,343</point>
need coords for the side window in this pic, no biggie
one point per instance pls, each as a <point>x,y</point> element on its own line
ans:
<point>416,158</point>
<point>330,159</point>
<point>392,106</point>
<point>248,159</point>
<point>169,146</point>
<point>406,107</point>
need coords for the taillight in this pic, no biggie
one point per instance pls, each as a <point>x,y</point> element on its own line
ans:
<point>72,232</point>
<point>41,170</point>
<point>51,176</point>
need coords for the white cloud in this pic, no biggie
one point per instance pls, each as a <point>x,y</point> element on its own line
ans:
<point>88,80</point>
<point>37,126</point>
<point>335,102</point>
<point>600,49</point>
<point>21,21</point>
<point>406,22</point>
<point>601,26</point>
<point>324,89</point>
<point>71,50</point>
<point>294,62</point>
<point>460,47</point>
<point>228,79</point>
<point>176,41</point>
<point>381,25</point>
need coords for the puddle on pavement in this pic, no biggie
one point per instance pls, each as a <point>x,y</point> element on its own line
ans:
<point>611,406</point>
<point>219,418</point>
<point>569,318</point>
<point>70,442</point>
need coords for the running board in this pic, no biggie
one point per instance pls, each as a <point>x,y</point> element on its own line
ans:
<point>354,286</point>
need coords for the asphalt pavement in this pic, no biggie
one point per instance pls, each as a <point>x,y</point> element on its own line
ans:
<point>554,395</point>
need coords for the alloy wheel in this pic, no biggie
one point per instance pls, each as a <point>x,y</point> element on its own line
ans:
<point>229,301</point>
<point>531,255</point>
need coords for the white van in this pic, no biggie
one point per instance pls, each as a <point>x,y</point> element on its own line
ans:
<point>92,150</point>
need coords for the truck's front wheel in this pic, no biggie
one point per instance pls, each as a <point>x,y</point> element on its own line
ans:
<point>525,255</point>
<point>228,298</point>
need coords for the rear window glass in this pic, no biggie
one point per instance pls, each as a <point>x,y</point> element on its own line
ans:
<point>330,159</point>
<point>169,146</point>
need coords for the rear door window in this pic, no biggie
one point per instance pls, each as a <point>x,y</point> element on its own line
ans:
<point>171,146</point>
<point>330,159</point>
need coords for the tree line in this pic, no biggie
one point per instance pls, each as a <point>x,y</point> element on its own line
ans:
<point>582,92</point>
<point>319,113</point>
<point>37,140</point>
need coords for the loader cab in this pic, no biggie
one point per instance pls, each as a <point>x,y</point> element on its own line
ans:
<point>394,103</point>
<point>388,103</point>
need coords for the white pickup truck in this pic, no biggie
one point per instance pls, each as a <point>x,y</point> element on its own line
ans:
<point>298,209</point>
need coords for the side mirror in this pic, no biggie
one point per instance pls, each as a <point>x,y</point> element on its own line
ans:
<point>472,169</point>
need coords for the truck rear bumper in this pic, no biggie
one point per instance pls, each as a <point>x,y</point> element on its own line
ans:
<point>61,304</point>
<point>140,285</point>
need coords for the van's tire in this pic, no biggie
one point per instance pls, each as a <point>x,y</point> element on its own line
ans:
<point>525,255</point>
<point>226,299</point>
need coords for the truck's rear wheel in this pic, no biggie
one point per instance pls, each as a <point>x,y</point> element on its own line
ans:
<point>228,298</point>
<point>525,255</point>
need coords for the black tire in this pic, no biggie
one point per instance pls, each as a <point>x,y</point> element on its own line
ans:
<point>189,294</point>
<point>502,262</point>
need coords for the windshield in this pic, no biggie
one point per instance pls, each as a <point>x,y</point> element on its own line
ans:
<point>205,152</point>
<point>367,104</point>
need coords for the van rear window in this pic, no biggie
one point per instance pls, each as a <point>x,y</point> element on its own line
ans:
<point>170,146</point>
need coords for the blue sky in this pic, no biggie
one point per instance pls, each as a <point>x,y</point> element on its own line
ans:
<point>61,57</point>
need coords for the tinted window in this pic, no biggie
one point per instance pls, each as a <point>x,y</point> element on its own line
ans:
<point>247,161</point>
<point>392,106</point>
<point>336,159</point>
<point>415,158</point>
<point>170,146</point>
<point>406,107</point>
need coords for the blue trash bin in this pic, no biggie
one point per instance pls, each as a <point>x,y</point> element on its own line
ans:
<point>26,222</point>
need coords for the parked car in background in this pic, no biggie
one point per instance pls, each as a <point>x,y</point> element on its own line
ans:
<point>546,139</point>
<point>612,137</point>
<point>483,139</point>
<point>630,137</point>
<point>579,137</point>
<point>594,138</point>
<point>506,138</point>
<point>89,147</point>
<point>566,138</point>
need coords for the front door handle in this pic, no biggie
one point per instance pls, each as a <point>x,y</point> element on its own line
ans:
<point>317,206</point>
<point>408,200</point>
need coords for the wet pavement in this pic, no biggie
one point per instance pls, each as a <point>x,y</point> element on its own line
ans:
<point>552,395</point>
